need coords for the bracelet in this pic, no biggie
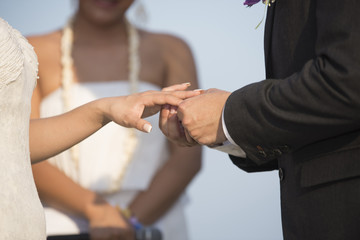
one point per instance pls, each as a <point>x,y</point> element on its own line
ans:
<point>128,214</point>
<point>135,222</point>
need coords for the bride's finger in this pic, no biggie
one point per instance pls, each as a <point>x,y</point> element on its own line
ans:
<point>172,98</point>
<point>176,87</point>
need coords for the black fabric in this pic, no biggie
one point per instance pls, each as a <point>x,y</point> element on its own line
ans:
<point>305,116</point>
<point>312,92</point>
<point>83,236</point>
<point>328,210</point>
<point>249,166</point>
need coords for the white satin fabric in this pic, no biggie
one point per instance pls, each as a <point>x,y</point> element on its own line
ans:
<point>21,213</point>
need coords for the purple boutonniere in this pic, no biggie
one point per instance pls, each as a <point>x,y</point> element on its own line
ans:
<point>249,3</point>
<point>267,3</point>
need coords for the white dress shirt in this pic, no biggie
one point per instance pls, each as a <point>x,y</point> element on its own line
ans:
<point>229,146</point>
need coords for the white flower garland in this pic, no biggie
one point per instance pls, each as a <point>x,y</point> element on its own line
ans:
<point>67,80</point>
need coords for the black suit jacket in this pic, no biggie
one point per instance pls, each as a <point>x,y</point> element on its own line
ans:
<point>305,117</point>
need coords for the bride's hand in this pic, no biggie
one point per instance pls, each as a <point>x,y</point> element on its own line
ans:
<point>129,111</point>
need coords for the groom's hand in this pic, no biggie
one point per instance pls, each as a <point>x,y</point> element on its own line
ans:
<point>170,124</point>
<point>172,128</point>
<point>201,116</point>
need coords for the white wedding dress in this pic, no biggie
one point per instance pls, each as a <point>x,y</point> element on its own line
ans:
<point>21,213</point>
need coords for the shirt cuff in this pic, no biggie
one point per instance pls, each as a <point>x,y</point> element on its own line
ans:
<point>229,146</point>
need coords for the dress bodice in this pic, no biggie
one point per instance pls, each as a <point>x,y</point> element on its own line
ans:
<point>21,212</point>
<point>101,156</point>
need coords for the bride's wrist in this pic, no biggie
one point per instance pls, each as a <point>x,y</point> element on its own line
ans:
<point>95,207</point>
<point>127,213</point>
<point>102,110</point>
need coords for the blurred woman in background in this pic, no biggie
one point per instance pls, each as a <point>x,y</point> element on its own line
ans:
<point>118,173</point>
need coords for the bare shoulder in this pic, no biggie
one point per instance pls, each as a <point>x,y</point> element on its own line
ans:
<point>45,43</point>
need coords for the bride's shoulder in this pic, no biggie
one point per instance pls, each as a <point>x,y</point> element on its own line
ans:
<point>3,26</point>
<point>5,31</point>
<point>11,57</point>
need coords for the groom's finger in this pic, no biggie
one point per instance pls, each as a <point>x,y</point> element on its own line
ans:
<point>190,141</point>
<point>163,119</point>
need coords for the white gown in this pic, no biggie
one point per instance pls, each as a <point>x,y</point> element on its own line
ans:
<point>21,213</point>
<point>101,157</point>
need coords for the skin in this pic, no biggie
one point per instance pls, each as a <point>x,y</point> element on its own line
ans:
<point>101,40</point>
<point>200,118</point>
<point>50,136</point>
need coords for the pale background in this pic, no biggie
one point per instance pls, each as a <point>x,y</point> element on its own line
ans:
<point>225,202</point>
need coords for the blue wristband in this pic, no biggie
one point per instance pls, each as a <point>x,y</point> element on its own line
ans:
<point>136,224</point>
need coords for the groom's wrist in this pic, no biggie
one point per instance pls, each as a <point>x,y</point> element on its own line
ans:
<point>229,148</point>
<point>227,145</point>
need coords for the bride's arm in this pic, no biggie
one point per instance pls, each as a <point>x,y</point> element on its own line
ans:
<point>50,136</point>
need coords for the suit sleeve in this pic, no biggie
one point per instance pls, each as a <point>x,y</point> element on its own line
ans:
<point>318,102</point>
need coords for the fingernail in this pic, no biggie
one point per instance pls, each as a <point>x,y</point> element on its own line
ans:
<point>147,127</point>
<point>187,84</point>
<point>173,109</point>
<point>166,106</point>
<point>201,91</point>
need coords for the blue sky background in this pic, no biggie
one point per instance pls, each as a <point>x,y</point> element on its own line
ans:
<point>225,202</point>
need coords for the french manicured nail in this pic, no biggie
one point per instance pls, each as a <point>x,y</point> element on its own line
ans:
<point>147,127</point>
<point>201,91</point>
